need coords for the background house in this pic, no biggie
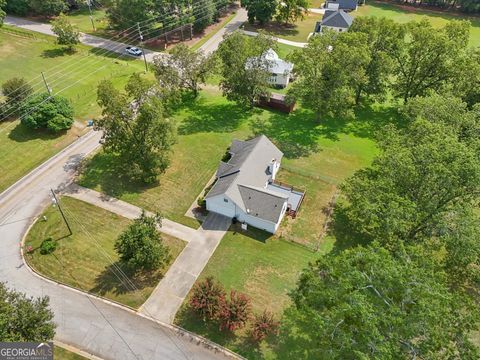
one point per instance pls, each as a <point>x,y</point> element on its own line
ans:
<point>345,5</point>
<point>280,70</point>
<point>245,188</point>
<point>337,20</point>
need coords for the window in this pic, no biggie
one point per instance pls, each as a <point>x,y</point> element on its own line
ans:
<point>225,200</point>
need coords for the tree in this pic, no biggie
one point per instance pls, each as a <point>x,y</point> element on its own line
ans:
<point>467,79</point>
<point>205,13</point>
<point>125,14</point>
<point>330,69</point>
<point>16,90</point>
<point>45,111</point>
<point>185,68</point>
<point>235,311</point>
<point>18,7</point>
<point>67,34</point>
<point>260,10</point>
<point>423,176</point>
<point>244,70</point>
<point>384,37</point>
<point>207,298</point>
<point>3,3</point>
<point>48,7</point>
<point>24,319</point>
<point>140,247</point>
<point>263,325</point>
<point>289,11</point>
<point>365,303</point>
<point>429,57</point>
<point>135,128</point>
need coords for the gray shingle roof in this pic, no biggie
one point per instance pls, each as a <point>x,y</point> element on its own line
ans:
<point>339,19</point>
<point>346,4</point>
<point>244,177</point>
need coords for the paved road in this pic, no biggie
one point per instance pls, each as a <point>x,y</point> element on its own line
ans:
<point>82,321</point>
<point>212,44</point>
<point>171,291</point>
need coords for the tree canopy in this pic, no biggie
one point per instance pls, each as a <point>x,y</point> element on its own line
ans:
<point>45,111</point>
<point>365,303</point>
<point>3,3</point>
<point>67,34</point>
<point>23,318</point>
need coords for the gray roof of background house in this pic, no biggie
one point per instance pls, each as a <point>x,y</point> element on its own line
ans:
<point>244,177</point>
<point>339,19</point>
<point>346,4</point>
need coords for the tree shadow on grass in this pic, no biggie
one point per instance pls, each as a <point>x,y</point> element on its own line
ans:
<point>251,232</point>
<point>208,117</point>
<point>105,170</point>
<point>370,119</point>
<point>111,280</point>
<point>118,54</point>
<point>56,52</point>
<point>22,133</point>
<point>274,28</point>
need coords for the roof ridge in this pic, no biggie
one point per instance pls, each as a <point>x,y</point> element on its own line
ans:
<point>269,192</point>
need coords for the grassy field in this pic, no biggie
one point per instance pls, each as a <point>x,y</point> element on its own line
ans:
<point>74,76</point>
<point>403,14</point>
<point>62,354</point>
<point>87,259</point>
<point>259,265</point>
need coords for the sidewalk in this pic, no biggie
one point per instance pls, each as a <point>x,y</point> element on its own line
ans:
<point>171,291</point>
<point>281,41</point>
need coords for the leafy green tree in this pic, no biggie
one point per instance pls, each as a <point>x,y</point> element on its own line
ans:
<point>384,37</point>
<point>140,246</point>
<point>3,3</point>
<point>135,128</point>
<point>67,34</point>
<point>205,13</point>
<point>260,10</point>
<point>423,176</point>
<point>466,84</point>
<point>16,91</point>
<point>184,69</point>
<point>330,69</point>
<point>290,11</point>
<point>429,57</point>
<point>207,298</point>
<point>23,318</point>
<point>44,111</point>
<point>124,14</point>
<point>48,7</point>
<point>18,7</point>
<point>364,303</point>
<point>243,68</point>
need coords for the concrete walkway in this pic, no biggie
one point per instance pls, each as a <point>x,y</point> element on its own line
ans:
<point>281,41</point>
<point>127,210</point>
<point>171,291</point>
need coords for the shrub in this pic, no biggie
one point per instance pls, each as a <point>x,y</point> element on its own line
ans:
<point>48,246</point>
<point>235,312</point>
<point>263,325</point>
<point>51,112</point>
<point>201,202</point>
<point>207,299</point>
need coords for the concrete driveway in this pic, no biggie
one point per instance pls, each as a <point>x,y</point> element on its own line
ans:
<point>87,323</point>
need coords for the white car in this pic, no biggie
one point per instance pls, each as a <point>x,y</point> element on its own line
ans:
<point>133,51</point>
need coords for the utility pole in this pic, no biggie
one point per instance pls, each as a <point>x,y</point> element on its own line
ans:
<point>56,202</point>
<point>141,47</point>
<point>46,84</point>
<point>89,3</point>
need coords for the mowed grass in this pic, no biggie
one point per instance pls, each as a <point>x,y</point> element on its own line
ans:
<point>87,259</point>
<point>403,14</point>
<point>295,32</point>
<point>62,354</point>
<point>259,265</point>
<point>74,76</point>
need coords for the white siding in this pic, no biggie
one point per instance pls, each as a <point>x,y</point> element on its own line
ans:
<point>218,205</point>
<point>279,79</point>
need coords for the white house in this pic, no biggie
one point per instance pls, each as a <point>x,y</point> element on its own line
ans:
<point>337,20</point>
<point>245,188</point>
<point>280,70</point>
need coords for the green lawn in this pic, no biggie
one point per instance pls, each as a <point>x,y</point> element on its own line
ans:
<point>212,30</point>
<point>259,265</point>
<point>74,76</point>
<point>403,14</point>
<point>87,259</point>
<point>62,354</point>
<point>298,32</point>
<point>81,19</point>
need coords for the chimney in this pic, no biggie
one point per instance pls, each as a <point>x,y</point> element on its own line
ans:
<point>272,168</point>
